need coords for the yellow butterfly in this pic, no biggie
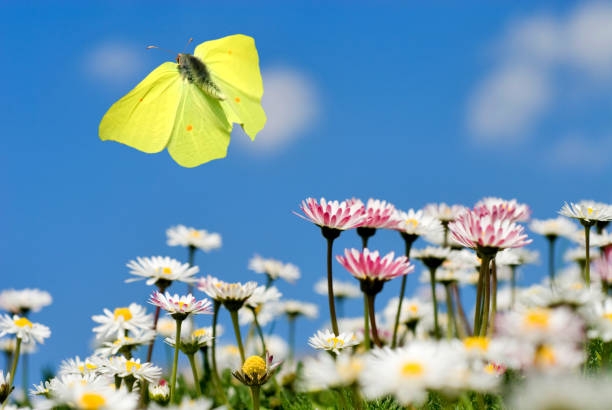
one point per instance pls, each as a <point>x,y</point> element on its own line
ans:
<point>190,106</point>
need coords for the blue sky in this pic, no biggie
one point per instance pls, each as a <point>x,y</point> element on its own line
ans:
<point>409,103</point>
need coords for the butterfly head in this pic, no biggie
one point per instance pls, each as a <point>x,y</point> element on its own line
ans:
<point>194,70</point>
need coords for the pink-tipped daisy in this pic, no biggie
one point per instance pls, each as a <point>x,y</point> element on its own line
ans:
<point>503,209</point>
<point>378,214</point>
<point>333,214</point>
<point>484,231</point>
<point>369,266</point>
<point>179,307</point>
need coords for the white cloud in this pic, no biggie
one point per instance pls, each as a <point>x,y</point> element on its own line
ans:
<point>291,104</point>
<point>577,152</point>
<point>114,62</point>
<point>511,100</point>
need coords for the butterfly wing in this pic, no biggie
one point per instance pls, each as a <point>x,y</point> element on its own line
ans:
<point>233,63</point>
<point>201,131</point>
<point>144,118</point>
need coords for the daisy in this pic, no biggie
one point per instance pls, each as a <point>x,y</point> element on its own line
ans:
<point>89,366</point>
<point>332,217</point>
<point>256,371</point>
<point>98,396</point>
<point>126,344</point>
<point>274,269</point>
<point>377,214</point>
<point>23,301</point>
<point>161,271</point>
<point>368,266</point>
<point>485,232</point>
<point>194,342</point>
<point>23,329</point>
<point>232,295</point>
<point>160,392</point>
<point>503,209</point>
<point>410,372</point>
<point>372,271</point>
<point>326,340</point>
<point>417,223</point>
<point>342,289</point>
<point>324,372</point>
<point>179,307</point>
<point>119,366</point>
<point>333,214</point>
<point>588,213</point>
<point>260,304</point>
<point>181,235</point>
<point>117,323</point>
<point>554,227</point>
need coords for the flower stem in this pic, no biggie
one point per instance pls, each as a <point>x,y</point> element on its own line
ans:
<point>432,277</point>
<point>234,315</point>
<point>551,259</point>
<point>481,293</point>
<point>259,329</point>
<point>587,245</point>
<point>366,323</point>
<point>487,299</point>
<point>194,370</point>
<point>16,354</point>
<point>372,314</point>
<point>451,321</point>
<point>463,330</point>
<point>291,338</point>
<point>255,397</point>
<point>220,393</point>
<point>177,345</point>
<point>155,320</point>
<point>330,288</point>
<point>408,241</point>
<point>491,322</point>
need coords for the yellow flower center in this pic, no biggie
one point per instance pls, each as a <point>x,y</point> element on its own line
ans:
<point>335,342</point>
<point>412,369</point>
<point>476,343</point>
<point>491,368</point>
<point>23,322</point>
<point>608,316</point>
<point>132,366</point>
<point>413,222</point>
<point>254,367</point>
<point>123,312</point>
<point>91,401</point>
<point>166,270</point>
<point>350,369</point>
<point>199,332</point>
<point>195,234</point>
<point>545,356</point>
<point>589,210</point>
<point>87,366</point>
<point>413,308</point>
<point>537,318</point>
<point>125,339</point>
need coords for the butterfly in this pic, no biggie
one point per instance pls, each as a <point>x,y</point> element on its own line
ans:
<point>190,106</point>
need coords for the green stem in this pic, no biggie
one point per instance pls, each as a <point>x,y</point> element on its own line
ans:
<point>491,322</point>
<point>234,315</point>
<point>408,241</point>
<point>255,397</point>
<point>330,288</point>
<point>155,320</point>
<point>291,339</point>
<point>177,345</point>
<point>372,314</point>
<point>513,285</point>
<point>451,322</point>
<point>587,244</point>
<point>194,370</point>
<point>259,329</point>
<point>487,299</point>
<point>432,277</point>
<point>216,377</point>
<point>551,259</point>
<point>464,330</point>
<point>366,323</point>
<point>16,355</point>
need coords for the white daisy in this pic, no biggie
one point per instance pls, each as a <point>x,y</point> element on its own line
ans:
<point>23,329</point>
<point>274,269</point>
<point>22,301</point>
<point>161,271</point>
<point>234,294</point>
<point>323,372</point>
<point>181,235</point>
<point>342,289</point>
<point>121,367</point>
<point>98,396</point>
<point>126,344</point>
<point>587,212</point>
<point>115,324</point>
<point>326,340</point>
<point>553,228</point>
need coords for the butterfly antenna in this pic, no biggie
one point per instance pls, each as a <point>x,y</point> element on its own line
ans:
<point>159,48</point>
<point>188,42</point>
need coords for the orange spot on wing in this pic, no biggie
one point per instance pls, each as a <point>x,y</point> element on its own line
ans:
<point>189,127</point>
<point>237,99</point>
<point>140,99</point>
<point>229,52</point>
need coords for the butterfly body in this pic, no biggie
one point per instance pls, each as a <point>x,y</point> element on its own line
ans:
<point>189,106</point>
